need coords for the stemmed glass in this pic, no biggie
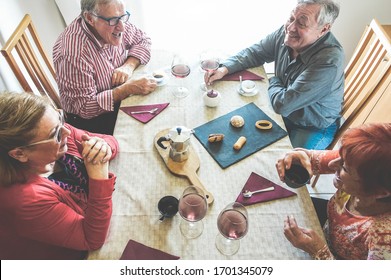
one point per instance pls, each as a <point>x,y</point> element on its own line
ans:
<point>209,62</point>
<point>192,208</point>
<point>180,69</point>
<point>233,225</point>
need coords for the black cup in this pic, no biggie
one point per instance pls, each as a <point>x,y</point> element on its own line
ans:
<point>296,176</point>
<point>168,207</point>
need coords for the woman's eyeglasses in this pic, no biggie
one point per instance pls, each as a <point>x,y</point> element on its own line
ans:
<point>112,21</point>
<point>57,134</point>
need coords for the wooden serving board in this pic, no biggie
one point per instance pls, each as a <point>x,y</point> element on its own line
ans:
<point>187,168</point>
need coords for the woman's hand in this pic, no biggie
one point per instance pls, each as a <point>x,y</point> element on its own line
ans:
<point>298,156</point>
<point>96,154</point>
<point>302,238</point>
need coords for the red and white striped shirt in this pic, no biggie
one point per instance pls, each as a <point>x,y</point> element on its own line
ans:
<point>84,67</point>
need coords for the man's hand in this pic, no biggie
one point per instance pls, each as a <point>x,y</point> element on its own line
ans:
<point>215,75</point>
<point>124,72</point>
<point>121,75</point>
<point>142,86</point>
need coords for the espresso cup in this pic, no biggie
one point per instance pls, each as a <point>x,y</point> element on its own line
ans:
<point>248,86</point>
<point>168,207</point>
<point>159,77</point>
<point>296,176</point>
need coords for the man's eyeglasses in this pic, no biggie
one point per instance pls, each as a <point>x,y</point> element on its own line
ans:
<point>57,134</point>
<point>114,20</point>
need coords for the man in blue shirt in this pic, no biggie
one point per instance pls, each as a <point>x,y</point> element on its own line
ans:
<point>307,89</point>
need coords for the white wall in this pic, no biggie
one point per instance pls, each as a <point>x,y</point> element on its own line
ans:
<point>353,18</point>
<point>225,27</point>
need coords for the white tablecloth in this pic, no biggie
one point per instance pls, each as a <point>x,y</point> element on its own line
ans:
<point>143,177</point>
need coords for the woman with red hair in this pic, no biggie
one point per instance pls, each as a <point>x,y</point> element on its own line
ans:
<point>359,213</point>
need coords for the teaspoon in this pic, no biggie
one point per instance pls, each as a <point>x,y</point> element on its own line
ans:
<point>249,194</point>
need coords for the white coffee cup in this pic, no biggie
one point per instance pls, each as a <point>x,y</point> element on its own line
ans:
<point>158,76</point>
<point>248,86</point>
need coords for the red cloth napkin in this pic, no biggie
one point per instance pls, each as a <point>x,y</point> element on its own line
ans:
<point>246,75</point>
<point>138,251</point>
<point>145,117</point>
<point>257,182</point>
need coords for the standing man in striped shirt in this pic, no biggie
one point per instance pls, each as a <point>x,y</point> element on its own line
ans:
<point>94,58</point>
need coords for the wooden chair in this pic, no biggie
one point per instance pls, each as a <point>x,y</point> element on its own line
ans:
<point>25,54</point>
<point>365,74</point>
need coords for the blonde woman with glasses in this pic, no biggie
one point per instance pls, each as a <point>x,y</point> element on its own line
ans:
<point>55,186</point>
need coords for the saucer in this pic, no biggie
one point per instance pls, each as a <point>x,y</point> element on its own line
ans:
<point>163,77</point>
<point>252,93</point>
<point>163,82</point>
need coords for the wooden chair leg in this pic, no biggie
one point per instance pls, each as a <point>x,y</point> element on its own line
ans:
<point>314,181</point>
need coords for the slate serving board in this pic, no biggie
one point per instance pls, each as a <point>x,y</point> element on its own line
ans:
<point>223,152</point>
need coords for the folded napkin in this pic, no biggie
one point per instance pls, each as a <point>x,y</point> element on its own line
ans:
<point>138,251</point>
<point>246,75</point>
<point>257,182</point>
<point>144,117</point>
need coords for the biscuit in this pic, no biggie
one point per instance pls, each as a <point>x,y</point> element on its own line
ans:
<point>215,137</point>
<point>263,124</point>
<point>240,142</point>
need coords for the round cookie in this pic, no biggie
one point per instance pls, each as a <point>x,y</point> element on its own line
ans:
<point>263,124</point>
<point>237,121</point>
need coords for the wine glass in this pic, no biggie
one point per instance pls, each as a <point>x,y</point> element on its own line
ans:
<point>209,62</point>
<point>192,208</point>
<point>233,225</point>
<point>180,69</point>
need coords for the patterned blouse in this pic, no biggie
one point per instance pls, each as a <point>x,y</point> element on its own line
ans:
<point>350,236</point>
<point>72,176</point>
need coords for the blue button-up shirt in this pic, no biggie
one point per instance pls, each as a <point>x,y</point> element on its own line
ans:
<point>307,90</point>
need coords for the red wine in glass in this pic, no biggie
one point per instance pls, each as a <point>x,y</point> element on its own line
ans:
<point>232,224</point>
<point>209,62</point>
<point>210,65</point>
<point>192,207</point>
<point>180,70</point>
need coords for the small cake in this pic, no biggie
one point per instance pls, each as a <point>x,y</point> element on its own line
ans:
<point>237,121</point>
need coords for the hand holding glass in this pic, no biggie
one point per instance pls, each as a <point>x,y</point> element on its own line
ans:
<point>209,62</point>
<point>233,225</point>
<point>192,208</point>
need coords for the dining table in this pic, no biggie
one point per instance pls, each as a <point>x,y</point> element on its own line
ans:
<point>143,177</point>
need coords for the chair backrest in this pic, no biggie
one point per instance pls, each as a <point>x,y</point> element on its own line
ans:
<point>367,67</point>
<point>25,54</point>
